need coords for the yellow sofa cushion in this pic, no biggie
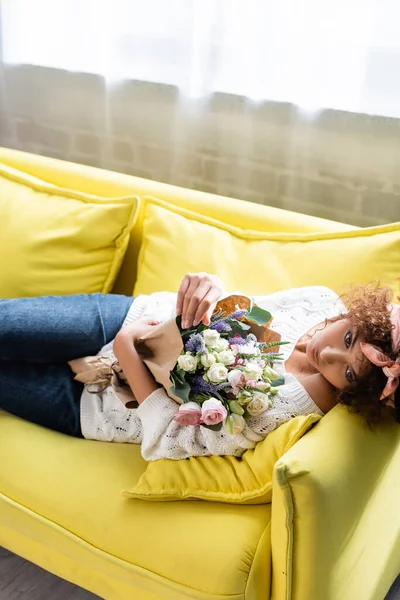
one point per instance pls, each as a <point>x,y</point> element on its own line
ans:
<point>56,241</point>
<point>177,241</point>
<point>247,480</point>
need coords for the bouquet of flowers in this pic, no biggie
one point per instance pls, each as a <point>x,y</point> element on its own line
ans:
<point>223,372</point>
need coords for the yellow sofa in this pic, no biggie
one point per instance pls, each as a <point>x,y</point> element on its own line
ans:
<point>332,531</point>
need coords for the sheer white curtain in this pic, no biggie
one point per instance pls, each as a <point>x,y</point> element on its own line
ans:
<point>342,54</point>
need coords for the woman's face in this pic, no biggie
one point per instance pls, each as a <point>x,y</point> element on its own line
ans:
<point>334,350</point>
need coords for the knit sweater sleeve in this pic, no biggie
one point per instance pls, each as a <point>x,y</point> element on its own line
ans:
<point>163,437</point>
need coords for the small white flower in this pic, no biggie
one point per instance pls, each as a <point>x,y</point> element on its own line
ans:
<point>211,336</point>
<point>252,371</point>
<point>187,362</point>
<point>234,424</point>
<point>249,349</point>
<point>207,360</point>
<point>217,373</point>
<point>239,423</point>
<point>226,357</point>
<point>263,385</point>
<point>258,404</point>
<point>221,345</point>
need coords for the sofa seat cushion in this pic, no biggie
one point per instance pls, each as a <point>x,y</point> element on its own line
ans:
<point>73,487</point>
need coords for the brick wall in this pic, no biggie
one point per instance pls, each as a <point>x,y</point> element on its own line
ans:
<point>337,165</point>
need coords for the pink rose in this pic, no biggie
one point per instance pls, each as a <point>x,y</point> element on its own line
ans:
<point>213,412</point>
<point>252,383</point>
<point>188,414</point>
<point>236,380</point>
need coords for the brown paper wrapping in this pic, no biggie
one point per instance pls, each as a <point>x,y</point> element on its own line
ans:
<point>98,372</point>
<point>159,349</point>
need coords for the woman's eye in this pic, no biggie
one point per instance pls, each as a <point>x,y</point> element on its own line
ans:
<point>349,375</point>
<point>347,339</point>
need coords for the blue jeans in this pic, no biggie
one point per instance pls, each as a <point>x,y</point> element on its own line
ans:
<point>37,338</point>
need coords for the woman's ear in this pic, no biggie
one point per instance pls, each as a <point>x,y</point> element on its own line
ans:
<point>390,403</point>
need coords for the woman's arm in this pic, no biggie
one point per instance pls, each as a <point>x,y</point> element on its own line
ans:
<point>196,300</point>
<point>140,380</point>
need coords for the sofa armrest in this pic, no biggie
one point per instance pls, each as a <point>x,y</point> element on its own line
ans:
<point>335,523</point>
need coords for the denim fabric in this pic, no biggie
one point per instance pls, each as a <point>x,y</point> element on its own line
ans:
<point>37,338</point>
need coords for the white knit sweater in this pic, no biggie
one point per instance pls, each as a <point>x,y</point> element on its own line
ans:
<point>104,417</point>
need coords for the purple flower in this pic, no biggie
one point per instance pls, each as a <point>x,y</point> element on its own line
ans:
<point>225,385</point>
<point>237,340</point>
<point>238,314</point>
<point>221,326</point>
<point>200,385</point>
<point>195,344</point>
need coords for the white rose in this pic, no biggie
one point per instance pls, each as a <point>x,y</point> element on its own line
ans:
<point>187,362</point>
<point>226,357</point>
<point>207,360</point>
<point>252,371</point>
<point>217,373</point>
<point>210,337</point>
<point>221,345</point>
<point>258,404</point>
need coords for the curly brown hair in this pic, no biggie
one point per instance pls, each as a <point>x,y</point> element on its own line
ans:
<point>368,313</point>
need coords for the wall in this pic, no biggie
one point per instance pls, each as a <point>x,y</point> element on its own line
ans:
<point>334,164</point>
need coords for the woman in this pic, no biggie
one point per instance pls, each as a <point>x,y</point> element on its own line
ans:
<point>334,355</point>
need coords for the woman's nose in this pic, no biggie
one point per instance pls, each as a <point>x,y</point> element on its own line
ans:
<point>330,355</point>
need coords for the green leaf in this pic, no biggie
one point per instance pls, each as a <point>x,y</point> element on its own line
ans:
<point>276,382</point>
<point>258,315</point>
<point>273,344</point>
<point>186,333</point>
<point>238,327</point>
<point>216,427</point>
<point>180,387</point>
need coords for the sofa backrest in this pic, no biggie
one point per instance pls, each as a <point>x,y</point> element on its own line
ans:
<point>109,184</point>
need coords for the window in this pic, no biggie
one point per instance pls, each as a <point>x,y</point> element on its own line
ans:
<point>342,54</point>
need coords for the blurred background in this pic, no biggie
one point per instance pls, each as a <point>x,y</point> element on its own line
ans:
<point>290,103</point>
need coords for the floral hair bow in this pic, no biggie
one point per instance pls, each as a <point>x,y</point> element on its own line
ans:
<point>390,367</point>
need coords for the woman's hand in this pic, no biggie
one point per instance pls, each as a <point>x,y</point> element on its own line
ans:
<point>139,328</point>
<point>197,297</point>
<point>132,332</point>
